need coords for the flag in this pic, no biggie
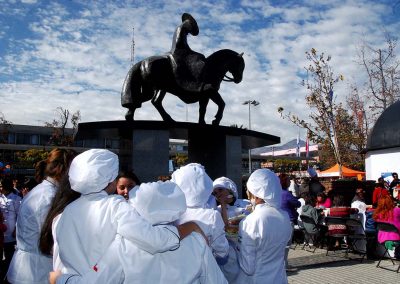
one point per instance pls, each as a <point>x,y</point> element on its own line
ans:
<point>307,146</point>
<point>330,96</point>
<point>298,145</point>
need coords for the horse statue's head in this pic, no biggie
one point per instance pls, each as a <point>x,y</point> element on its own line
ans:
<point>236,68</point>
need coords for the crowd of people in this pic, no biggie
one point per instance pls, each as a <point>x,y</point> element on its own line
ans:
<point>88,222</point>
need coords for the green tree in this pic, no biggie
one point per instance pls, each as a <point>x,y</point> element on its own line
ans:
<point>330,124</point>
<point>180,159</point>
<point>28,158</point>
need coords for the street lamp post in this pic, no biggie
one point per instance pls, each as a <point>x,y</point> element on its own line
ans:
<point>254,103</point>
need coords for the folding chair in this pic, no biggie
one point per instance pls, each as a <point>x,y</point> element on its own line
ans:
<point>298,235</point>
<point>389,228</point>
<point>356,237</point>
<point>310,235</point>
<point>336,221</point>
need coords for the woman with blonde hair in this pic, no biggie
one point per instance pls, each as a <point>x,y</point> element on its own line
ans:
<point>29,264</point>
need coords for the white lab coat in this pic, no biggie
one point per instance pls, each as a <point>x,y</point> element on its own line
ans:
<point>192,262</point>
<point>29,265</point>
<point>211,202</point>
<point>263,236</point>
<point>197,187</point>
<point>57,263</point>
<point>230,266</point>
<point>294,188</point>
<point>88,226</point>
<point>9,205</point>
<point>210,221</point>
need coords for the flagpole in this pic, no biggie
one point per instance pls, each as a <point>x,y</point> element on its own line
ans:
<point>307,148</point>
<point>298,152</point>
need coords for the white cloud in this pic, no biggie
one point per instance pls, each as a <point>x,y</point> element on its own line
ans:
<point>28,1</point>
<point>79,59</point>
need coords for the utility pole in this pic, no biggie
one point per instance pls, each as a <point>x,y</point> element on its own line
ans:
<point>254,103</point>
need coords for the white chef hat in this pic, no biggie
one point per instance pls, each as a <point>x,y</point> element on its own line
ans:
<point>92,170</point>
<point>227,183</point>
<point>159,202</point>
<point>312,172</point>
<point>195,184</point>
<point>264,184</point>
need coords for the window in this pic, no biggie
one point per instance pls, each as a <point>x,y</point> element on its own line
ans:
<point>44,139</point>
<point>112,143</point>
<point>23,138</point>
<point>94,143</point>
<point>78,143</point>
<point>11,138</point>
<point>34,139</point>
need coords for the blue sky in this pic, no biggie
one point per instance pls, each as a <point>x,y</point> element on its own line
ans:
<point>75,54</point>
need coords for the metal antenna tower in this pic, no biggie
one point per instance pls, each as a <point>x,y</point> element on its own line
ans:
<point>133,46</point>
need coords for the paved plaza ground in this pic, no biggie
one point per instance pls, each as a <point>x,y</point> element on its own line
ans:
<point>336,269</point>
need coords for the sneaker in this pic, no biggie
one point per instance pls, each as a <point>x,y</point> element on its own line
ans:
<point>290,268</point>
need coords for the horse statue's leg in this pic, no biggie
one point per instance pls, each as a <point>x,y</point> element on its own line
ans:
<point>157,102</point>
<point>130,114</point>
<point>217,99</point>
<point>203,102</point>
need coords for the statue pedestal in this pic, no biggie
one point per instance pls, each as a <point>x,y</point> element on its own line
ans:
<point>143,146</point>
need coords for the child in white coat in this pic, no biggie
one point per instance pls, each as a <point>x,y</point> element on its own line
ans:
<point>264,233</point>
<point>197,187</point>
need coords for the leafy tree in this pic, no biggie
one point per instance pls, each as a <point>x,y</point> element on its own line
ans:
<point>285,165</point>
<point>28,158</point>
<point>59,125</point>
<point>180,159</point>
<point>237,126</point>
<point>330,124</point>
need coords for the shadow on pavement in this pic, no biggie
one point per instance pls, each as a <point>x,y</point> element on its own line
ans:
<point>320,259</point>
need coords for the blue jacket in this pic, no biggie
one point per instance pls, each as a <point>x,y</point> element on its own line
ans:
<point>289,204</point>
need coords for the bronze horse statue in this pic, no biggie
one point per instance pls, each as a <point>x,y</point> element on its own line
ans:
<point>153,77</point>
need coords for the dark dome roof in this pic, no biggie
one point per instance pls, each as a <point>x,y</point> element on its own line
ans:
<point>386,131</point>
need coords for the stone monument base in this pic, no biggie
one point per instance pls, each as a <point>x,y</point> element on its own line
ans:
<point>143,146</point>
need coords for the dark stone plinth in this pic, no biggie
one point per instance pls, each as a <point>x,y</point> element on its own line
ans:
<point>144,145</point>
<point>150,150</point>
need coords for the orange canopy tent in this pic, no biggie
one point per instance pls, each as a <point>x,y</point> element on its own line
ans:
<point>346,172</point>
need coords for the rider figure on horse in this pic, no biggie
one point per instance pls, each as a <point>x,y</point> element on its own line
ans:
<point>181,72</point>
<point>187,65</point>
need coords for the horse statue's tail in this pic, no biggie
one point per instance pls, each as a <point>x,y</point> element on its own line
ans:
<point>131,88</point>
